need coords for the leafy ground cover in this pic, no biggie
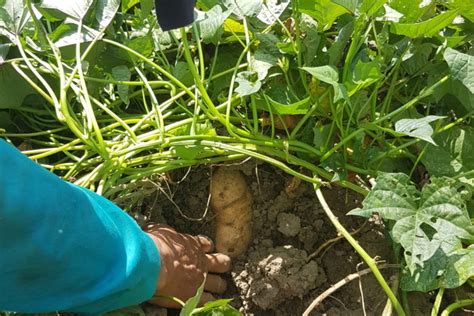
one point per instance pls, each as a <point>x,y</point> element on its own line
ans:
<point>329,91</point>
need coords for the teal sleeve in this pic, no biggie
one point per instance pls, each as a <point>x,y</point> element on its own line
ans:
<point>65,248</point>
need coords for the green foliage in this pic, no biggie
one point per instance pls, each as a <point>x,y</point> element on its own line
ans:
<point>430,225</point>
<point>104,96</point>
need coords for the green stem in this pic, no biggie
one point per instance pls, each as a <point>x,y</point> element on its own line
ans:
<point>457,305</point>
<point>365,256</point>
<point>437,303</point>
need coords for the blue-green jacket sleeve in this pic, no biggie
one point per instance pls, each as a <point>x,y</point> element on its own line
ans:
<point>65,248</point>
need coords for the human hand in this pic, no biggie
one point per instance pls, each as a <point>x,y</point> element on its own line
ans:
<point>185,259</point>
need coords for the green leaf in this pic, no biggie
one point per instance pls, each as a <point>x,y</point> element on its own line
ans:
<point>324,11</point>
<point>105,12</point>
<point>122,73</point>
<point>217,308</point>
<point>412,10</point>
<point>146,7</point>
<point>427,28</point>
<point>243,8</point>
<point>182,73</point>
<point>429,225</point>
<point>371,7</point>
<point>326,74</point>
<point>248,83</point>
<point>66,35</point>
<point>193,302</point>
<point>299,107</point>
<point>4,49</point>
<point>462,67</point>
<point>128,4</point>
<point>210,24</point>
<point>418,128</point>
<point>364,75</point>
<point>13,88</point>
<point>13,17</point>
<point>272,10</point>
<point>465,8</point>
<point>453,155</point>
<point>74,9</point>
<point>350,5</point>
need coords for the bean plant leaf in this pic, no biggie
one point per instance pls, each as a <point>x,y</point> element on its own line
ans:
<point>271,11</point>
<point>350,5</point>
<point>326,74</point>
<point>462,67</point>
<point>210,23</point>
<point>105,12</point>
<point>122,73</point>
<point>427,28</point>
<point>217,308</point>
<point>193,302</point>
<point>324,11</point>
<point>74,9</point>
<point>454,154</point>
<point>466,8</point>
<point>418,128</point>
<point>243,8</point>
<point>248,83</point>
<point>370,7</point>
<point>13,88</point>
<point>430,226</point>
<point>13,17</point>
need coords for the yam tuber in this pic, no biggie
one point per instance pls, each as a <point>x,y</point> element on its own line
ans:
<point>231,201</point>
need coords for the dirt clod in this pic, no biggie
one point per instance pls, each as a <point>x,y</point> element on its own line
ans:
<point>289,224</point>
<point>277,274</point>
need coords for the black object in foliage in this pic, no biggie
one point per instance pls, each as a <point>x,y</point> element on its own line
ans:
<point>173,14</point>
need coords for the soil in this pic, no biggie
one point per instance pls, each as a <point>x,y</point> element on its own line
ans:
<point>280,274</point>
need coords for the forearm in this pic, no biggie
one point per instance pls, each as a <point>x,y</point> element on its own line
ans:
<point>66,248</point>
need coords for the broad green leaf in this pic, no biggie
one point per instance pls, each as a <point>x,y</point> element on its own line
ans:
<point>5,121</point>
<point>412,10</point>
<point>330,75</point>
<point>350,5</point>
<point>4,49</point>
<point>74,9</point>
<point>243,8</point>
<point>193,302</point>
<point>13,88</point>
<point>465,8</point>
<point>211,24</point>
<point>105,12</point>
<point>66,34</point>
<point>326,74</point>
<point>454,268</point>
<point>426,28</point>
<point>272,10</point>
<point>337,49</point>
<point>429,225</point>
<point>146,7</point>
<point>182,73</point>
<point>324,11</point>
<point>13,17</point>
<point>128,4</point>
<point>453,155</point>
<point>261,62</point>
<point>418,128</point>
<point>462,67</point>
<point>248,83</point>
<point>370,7</point>
<point>143,45</point>
<point>299,107</point>
<point>122,73</point>
<point>363,75</point>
